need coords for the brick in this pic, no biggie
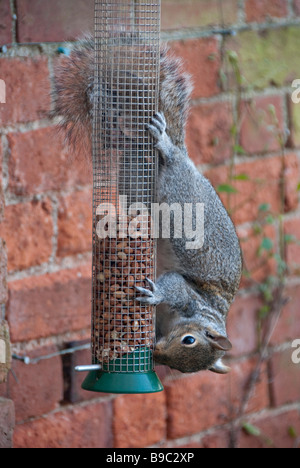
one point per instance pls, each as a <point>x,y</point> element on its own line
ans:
<point>239,380</point>
<point>218,439</point>
<point>65,297</point>
<point>177,14</point>
<point>288,327</point>
<point>292,228</point>
<point>258,133</point>
<point>61,20</point>
<point>5,22</point>
<point>202,59</point>
<point>2,203</point>
<point>7,423</point>
<point>285,380</point>
<point>258,264</point>
<point>27,89</point>
<point>243,316</point>
<point>267,58</point>
<point>41,384</point>
<point>28,231</point>
<point>3,272</point>
<point>262,186</point>
<point>75,219</point>
<point>263,10</point>
<point>210,396</point>
<point>209,138</point>
<point>88,426</point>
<point>275,431</point>
<point>134,413</point>
<point>296,4</point>
<point>50,168</point>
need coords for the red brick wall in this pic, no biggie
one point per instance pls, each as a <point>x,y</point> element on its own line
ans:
<point>47,230</point>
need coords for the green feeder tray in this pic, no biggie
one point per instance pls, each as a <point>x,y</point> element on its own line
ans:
<point>130,374</point>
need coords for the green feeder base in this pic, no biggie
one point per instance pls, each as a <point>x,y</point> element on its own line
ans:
<point>130,374</point>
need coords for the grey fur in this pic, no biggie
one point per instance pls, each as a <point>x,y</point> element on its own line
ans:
<point>196,287</point>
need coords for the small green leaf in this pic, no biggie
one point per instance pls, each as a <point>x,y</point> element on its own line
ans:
<point>290,239</point>
<point>238,149</point>
<point>267,244</point>
<point>242,177</point>
<point>264,311</point>
<point>298,187</point>
<point>264,207</point>
<point>252,430</point>
<point>281,264</point>
<point>292,432</point>
<point>227,188</point>
<point>270,219</point>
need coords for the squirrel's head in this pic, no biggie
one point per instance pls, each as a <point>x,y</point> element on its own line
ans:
<point>192,348</point>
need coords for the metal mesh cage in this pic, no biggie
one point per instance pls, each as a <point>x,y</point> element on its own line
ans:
<point>126,83</point>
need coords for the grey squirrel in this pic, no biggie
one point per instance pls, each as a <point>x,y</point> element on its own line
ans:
<point>195,288</point>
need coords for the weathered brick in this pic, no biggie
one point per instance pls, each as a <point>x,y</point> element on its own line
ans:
<point>261,187</point>
<point>258,134</point>
<point>208,134</point>
<point>50,168</point>
<point>262,10</point>
<point>57,21</point>
<point>259,264</point>
<point>268,57</point>
<point>41,383</point>
<point>288,327</point>
<point>28,230</point>
<point>88,426</point>
<point>243,316</point>
<point>292,228</point>
<point>297,7</point>
<point>7,422</point>
<point>75,224</point>
<point>27,89</point>
<point>5,23</point>
<point>65,299</point>
<point>3,272</point>
<point>239,379</point>
<point>134,413</point>
<point>277,431</point>
<point>210,396</point>
<point>178,14</point>
<point>218,439</point>
<point>202,59</point>
<point>285,380</point>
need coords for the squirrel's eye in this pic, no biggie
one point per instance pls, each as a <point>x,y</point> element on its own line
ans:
<point>188,340</point>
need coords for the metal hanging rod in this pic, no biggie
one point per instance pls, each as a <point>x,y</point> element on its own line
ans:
<point>28,360</point>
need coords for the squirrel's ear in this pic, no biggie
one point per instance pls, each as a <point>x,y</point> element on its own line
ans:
<point>219,341</point>
<point>220,368</point>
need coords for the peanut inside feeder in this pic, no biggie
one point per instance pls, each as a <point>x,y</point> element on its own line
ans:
<point>125,171</point>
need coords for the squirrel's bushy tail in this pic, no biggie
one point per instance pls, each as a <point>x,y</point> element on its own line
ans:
<point>74,91</point>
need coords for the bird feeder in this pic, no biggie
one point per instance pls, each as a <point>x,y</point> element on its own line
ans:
<point>125,163</point>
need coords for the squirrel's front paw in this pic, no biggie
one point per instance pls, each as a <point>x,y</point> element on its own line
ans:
<point>151,296</point>
<point>158,129</point>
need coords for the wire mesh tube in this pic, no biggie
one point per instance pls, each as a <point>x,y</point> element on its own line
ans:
<point>126,83</point>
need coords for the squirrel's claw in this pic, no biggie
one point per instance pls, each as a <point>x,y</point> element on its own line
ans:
<point>151,296</point>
